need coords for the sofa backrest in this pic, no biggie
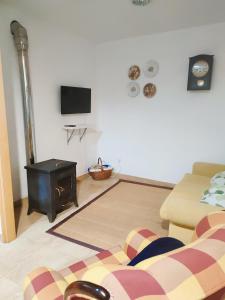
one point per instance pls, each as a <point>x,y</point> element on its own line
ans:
<point>195,271</point>
<point>207,169</point>
<point>211,220</point>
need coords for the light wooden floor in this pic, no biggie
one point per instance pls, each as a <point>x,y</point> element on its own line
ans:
<point>34,247</point>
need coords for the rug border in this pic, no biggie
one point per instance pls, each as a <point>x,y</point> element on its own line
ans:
<point>87,245</point>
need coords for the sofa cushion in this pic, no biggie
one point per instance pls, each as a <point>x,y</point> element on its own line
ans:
<point>214,196</point>
<point>160,246</point>
<point>183,206</point>
<point>218,179</point>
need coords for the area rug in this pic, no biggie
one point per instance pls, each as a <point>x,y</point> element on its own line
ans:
<point>106,220</point>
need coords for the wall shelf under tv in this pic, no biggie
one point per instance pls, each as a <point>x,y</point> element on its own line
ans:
<point>71,129</point>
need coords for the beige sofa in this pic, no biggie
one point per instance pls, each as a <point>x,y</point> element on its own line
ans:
<point>182,208</point>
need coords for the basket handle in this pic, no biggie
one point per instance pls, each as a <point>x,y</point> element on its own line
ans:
<point>100,163</point>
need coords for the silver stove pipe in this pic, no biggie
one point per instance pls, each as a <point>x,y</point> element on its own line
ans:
<point>21,41</point>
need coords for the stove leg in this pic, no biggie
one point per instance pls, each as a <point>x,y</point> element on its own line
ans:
<point>51,217</point>
<point>75,201</point>
<point>29,211</point>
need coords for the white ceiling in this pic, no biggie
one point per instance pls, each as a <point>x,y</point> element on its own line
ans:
<point>106,20</point>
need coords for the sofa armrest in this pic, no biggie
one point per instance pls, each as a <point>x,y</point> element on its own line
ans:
<point>137,240</point>
<point>78,288</point>
<point>75,271</point>
<point>44,283</point>
<point>207,169</point>
<point>190,213</point>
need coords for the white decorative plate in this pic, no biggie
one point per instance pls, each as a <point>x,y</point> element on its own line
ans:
<point>151,68</point>
<point>133,89</point>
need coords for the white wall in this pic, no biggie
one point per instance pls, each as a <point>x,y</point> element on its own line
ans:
<point>56,58</point>
<point>162,137</point>
<point>158,138</point>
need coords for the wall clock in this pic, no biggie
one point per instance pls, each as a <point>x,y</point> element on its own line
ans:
<point>200,72</point>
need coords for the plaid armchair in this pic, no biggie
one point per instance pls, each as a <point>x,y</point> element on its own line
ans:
<point>195,271</point>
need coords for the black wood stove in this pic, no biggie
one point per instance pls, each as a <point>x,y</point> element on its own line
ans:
<point>51,186</point>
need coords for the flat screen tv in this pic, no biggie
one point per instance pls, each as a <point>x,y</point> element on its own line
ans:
<point>75,100</point>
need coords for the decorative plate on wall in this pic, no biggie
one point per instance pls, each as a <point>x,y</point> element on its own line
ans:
<point>134,72</point>
<point>151,68</point>
<point>149,90</point>
<point>133,89</point>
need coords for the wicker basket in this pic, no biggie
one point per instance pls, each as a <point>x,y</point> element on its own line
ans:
<point>100,174</point>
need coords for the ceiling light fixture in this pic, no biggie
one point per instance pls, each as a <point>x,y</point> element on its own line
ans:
<point>141,2</point>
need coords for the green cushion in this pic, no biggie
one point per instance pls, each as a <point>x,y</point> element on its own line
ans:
<point>214,196</point>
<point>218,179</point>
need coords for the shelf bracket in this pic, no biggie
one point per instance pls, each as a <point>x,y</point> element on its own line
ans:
<point>83,134</point>
<point>70,133</point>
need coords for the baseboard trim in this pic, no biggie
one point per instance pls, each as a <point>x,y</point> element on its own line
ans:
<point>82,177</point>
<point>144,180</point>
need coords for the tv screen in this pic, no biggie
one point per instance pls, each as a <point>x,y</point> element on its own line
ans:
<point>75,100</point>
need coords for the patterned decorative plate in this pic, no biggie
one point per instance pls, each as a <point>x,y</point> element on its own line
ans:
<point>133,89</point>
<point>149,90</point>
<point>151,68</point>
<point>134,72</point>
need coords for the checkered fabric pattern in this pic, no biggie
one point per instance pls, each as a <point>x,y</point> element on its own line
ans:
<point>113,256</point>
<point>211,220</point>
<point>137,240</point>
<point>193,272</point>
<point>44,284</point>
